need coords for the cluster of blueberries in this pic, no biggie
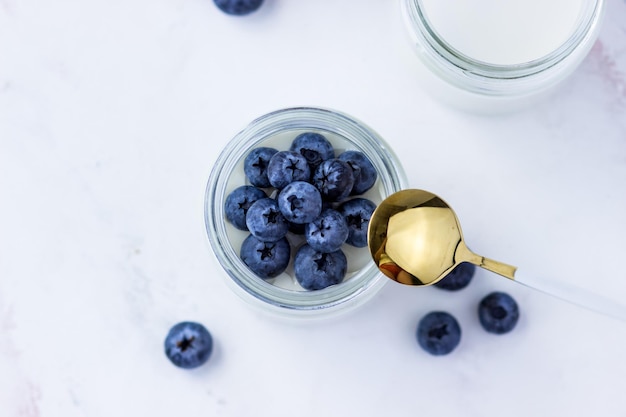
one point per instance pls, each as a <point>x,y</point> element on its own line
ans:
<point>311,189</point>
<point>439,333</point>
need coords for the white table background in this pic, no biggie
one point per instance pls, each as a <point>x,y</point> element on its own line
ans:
<point>111,116</point>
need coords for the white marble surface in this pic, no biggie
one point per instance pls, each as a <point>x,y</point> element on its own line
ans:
<point>111,116</point>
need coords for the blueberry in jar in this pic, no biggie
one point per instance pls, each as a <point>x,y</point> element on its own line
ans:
<point>314,147</point>
<point>316,270</point>
<point>239,201</point>
<point>265,259</point>
<point>327,232</point>
<point>255,166</point>
<point>357,212</point>
<point>286,167</point>
<point>300,202</point>
<point>365,174</point>
<point>334,179</point>
<point>265,220</point>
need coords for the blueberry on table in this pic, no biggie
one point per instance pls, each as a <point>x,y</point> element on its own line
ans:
<point>265,259</point>
<point>265,221</point>
<point>286,167</point>
<point>334,179</point>
<point>357,213</point>
<point>498,312</point>
<point>238,7</point>
<point>239,201</point>
<point>300,202</point>
<point>315,270</point>
<point>438,333</point>
<point>255,166</point>
<point>188,345</point>
<point>314,147</point>
<point>458,278</point>
<point>327,232</point>
<point>363,170</point>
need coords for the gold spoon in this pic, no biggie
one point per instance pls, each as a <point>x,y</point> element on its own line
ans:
<point>415,238</point>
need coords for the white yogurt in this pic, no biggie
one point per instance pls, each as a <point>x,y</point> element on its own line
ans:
<point>504,32</point>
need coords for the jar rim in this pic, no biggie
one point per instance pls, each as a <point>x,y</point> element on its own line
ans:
<point>246,283</point>
<point>495,79</point>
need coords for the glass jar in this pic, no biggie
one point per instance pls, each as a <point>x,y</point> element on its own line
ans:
<point>277,130</point>
<point>484,56</point>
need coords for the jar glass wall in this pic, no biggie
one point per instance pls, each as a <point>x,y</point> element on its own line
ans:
<point>277,129</point>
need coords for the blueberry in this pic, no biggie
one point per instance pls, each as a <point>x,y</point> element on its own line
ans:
<point>327,232</point>
<point>315,270</point>
<point>255,166</point>
<point>188,345</point>
<point>498,312</point>
<point>286,167</point>
<point>334,179</point>
<point>265,221</point>
<point>239,201</point>
<point>357,213</point>
<point>314,147</point>
<point>300,202</point>
<point>438,333</point>
<point>458,278</point>
<point>238,7</point>
<point>363,170</point>
<point>265,259</point>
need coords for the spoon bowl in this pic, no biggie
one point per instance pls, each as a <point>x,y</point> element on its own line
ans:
<point>415,238</point>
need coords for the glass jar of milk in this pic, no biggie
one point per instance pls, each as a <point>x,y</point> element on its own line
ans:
<point>493,55</point>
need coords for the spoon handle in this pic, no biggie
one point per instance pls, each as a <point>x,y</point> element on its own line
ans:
<point>575,295</point>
